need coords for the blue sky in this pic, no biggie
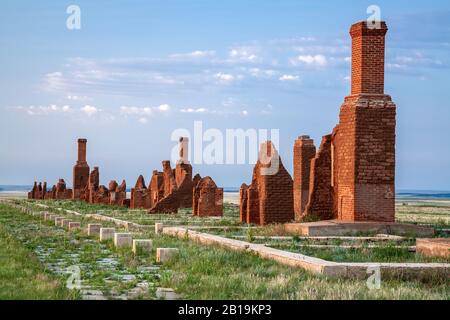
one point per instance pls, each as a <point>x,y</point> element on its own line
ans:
<point>138,70</point>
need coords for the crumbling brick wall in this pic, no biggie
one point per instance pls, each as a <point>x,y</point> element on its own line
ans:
<point>320,203</point>
<point>304,152</point>
<point>270,195</point>
<point>140,198</point>
<point>62,193</point>
<point>156,188</point>
<point>207,199</point>
<point>117,193</point>
<point>183,179</point>
<point>102,196</point>
<point>243,200</point>
<point>177,184</point>
<point>92,185</point>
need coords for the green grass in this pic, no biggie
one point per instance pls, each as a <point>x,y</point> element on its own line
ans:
<point>207,272</point>
<point>59,249</point>
<point>23,277</point>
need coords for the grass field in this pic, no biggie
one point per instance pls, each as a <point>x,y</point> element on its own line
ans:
<point>200,272</point>
<point>22,276</point>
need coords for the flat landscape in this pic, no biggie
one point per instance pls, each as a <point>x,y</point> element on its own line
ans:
<point>42,257</point>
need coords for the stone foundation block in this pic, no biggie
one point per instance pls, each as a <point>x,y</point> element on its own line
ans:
<point>142,246</point>
<point>107,234</point>
<point>65,223</point>
<point>74,226</point>
<point>58,221</point>
<point>93,229</point>
<point>166,254</point>
<point>123,240</point>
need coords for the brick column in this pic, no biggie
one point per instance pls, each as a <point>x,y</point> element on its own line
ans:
<point>80,171</point>
<point>368,46</point>
<point>304,152</point>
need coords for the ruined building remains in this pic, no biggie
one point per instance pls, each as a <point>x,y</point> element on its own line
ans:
<point>171,189</point>
<point>140,198</point>
<point>117,193</point>
<point>269,198</point>
<point>351,177</point>
<point>207,199</point>
<point>80,171</point>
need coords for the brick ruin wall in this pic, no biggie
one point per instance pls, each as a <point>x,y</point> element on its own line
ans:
<point>270,196</point>
<point>207,199</point>
<point>304,152</point>
<point>359,162</point>
<point>320,201</point>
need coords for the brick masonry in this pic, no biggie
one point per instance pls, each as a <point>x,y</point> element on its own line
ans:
<point>80,171</point>
<point>320,201</point>
<point>304,152</point>
<point>207,199</point>
<point>357,163</point>
<point>269,198</point>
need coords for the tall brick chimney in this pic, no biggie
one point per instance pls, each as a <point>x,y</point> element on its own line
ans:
<point>80,171</point>
<point>363,144</point>
<point>368,46</point>
<point>81,151</point>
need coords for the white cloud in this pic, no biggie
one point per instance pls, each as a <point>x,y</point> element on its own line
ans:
<point>194,110</point>
<point>89,110</point>
<point>142,113</point>
<point>262,73</point>
<point>194,54</point>
<point>224,76</point>
<point>244,54</point>
<point>313,60</point>
<point>164,107</point>
<point>288,77</point>
<point>143,120</point>
<point>45,110</point>
<point>227,78</point>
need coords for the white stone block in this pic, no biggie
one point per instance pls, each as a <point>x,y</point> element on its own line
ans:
<point>74,226</point>
<point>58,221</point>
<point>93,229</point>
<point>123,240</point>
<point>166,254</point>
<point>142,245</point>
<point>65,223</point>
<point>107,233</point>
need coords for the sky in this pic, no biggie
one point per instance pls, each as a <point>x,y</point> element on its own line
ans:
<point>138,71</point>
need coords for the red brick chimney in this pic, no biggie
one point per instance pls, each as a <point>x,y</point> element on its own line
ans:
<point>368,46</point>
<point>81,151</point>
